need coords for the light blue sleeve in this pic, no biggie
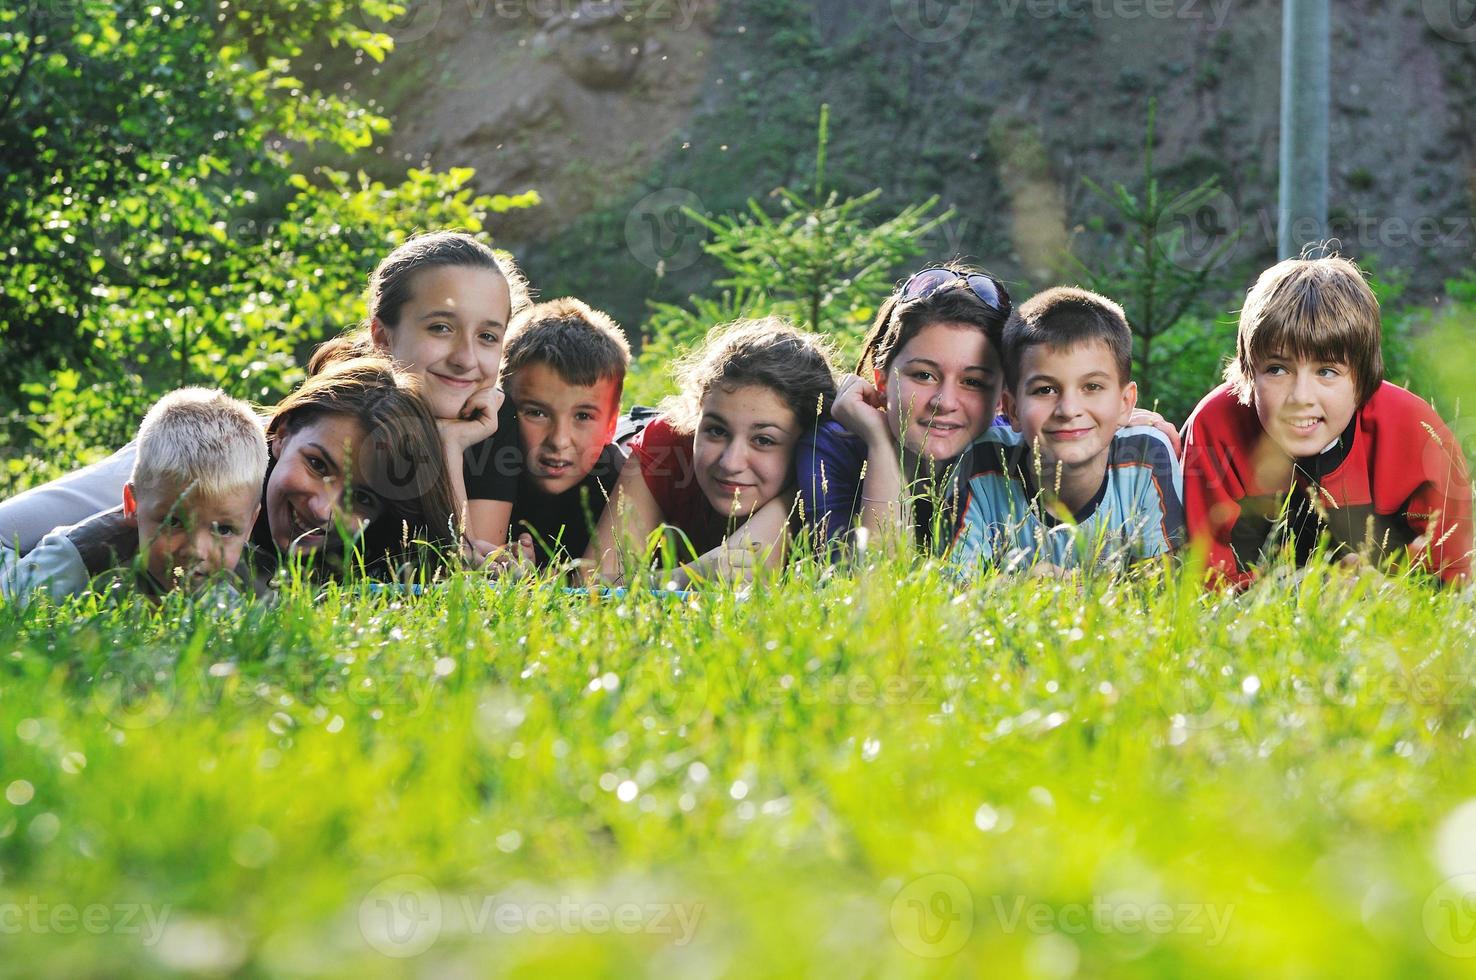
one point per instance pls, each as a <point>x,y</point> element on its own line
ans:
<point>54,565</point>
<point>973,545</point>
<point>26,518</point>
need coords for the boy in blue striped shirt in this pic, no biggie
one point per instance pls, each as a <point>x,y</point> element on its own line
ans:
<point>1064,485</point>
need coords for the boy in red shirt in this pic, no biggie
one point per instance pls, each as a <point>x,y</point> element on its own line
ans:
<point>1305,436</point>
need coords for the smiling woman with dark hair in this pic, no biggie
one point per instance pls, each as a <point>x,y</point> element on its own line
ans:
<point>927,385</point>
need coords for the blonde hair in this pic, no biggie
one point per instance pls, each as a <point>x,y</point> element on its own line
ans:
<point>1317,309</point>
<point>203,439</point>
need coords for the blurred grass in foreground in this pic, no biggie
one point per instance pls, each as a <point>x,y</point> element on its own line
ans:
<point>832,775</point>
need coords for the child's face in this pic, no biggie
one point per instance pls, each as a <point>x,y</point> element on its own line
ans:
<point>1070,402</point>
<point>310,490</point>
<point>188,536</point>
<point>450,333</point>
<point>743,447</point>
<point>1304,405</point>
<point>563,427</point>
<point>942,389</point>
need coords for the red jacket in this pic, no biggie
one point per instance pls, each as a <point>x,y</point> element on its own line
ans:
<point>1396,479</point>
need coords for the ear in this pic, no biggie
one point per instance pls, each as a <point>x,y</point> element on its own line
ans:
<point>1007,402</point>
<point>1129,402</point>
<point>255,513</point>
<point>379,334</point>
<point>879,379</point>
<point>130,500</point>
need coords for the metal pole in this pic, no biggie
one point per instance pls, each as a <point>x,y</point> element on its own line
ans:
<point>1302,215</point>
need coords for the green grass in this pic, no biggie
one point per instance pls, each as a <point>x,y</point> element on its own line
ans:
<point>836,776</point>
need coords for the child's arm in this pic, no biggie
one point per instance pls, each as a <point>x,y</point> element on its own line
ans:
<point>472,448</point>
<point>1440,510</point>
<point>1211,504</point>
<point>973,544</point>
<point>759,542</point>
<point>64,562</point>
<point>862,410</point>
<point>629,518</point>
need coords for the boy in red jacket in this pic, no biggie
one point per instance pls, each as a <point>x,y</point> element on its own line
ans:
<point>1305,436</point>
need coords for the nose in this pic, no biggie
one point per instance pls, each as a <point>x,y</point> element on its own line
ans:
<point>463,355</point>
<point>1067,406</point>
<point>1301,391</point>
<point>320,507</point>
<point>198,544</point>
<point>561,435</point>
<point>945,399</point>
<point>734,458</point>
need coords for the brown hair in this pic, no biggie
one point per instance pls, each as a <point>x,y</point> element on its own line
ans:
<point>1063,317</point>
<point>897,322</point>
<point>406,466</point>
<point>392,283</point>
<point>1317,309</point>
<point>580,344</point>
<point>769,352</point>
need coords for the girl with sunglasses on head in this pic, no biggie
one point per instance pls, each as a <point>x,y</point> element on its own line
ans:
<point>927,385</point>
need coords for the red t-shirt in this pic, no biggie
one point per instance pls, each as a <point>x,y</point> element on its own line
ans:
<point>667,463</point>
<point>1395,479</point>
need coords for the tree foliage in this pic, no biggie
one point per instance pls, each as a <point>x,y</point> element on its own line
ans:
<point>157,232</point>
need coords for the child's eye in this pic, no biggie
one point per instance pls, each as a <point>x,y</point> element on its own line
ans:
<point>584,417</point>
<point>364,503</point>
<point>531,413</point>
<point>225,530</point>
<point>1275,369</point>
<point>1043,390</point>
<point>765,442</point>
<point>439,328</point>
<point>1094,386</point>
<point>922,376</point>
<point>1329,372</point>
<point>318,466</point>
<point>173,521</point>
<point>489,337</point>
<point>714,431</point>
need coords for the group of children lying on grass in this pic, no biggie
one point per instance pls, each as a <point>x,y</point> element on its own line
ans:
<point>463,423</point>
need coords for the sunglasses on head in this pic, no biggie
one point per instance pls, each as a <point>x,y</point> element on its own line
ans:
<point>929,281</point>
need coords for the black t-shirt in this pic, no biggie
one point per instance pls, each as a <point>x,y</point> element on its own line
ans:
<point>491,468</point>
<point>562,524</point>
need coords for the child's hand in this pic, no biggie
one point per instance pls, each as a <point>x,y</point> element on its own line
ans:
<point>513,562</point>
<point>476,423</point>
<point>861,408</point>
<point>1142,416</point>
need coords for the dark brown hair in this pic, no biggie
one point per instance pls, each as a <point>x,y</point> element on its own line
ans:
<point>897,322</point>
<point>392,284</point>
<point>406,465</point>
<point>1061,318</point>
<point>580,344</point>
<point>768,352</point>
<point>1317,309</point>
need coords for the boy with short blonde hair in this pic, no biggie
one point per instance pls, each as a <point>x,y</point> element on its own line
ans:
<point>1069,483</point>
<point>193,498</point>
<point>1305,437</point>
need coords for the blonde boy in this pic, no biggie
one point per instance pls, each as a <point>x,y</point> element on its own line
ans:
<point>188,509</point>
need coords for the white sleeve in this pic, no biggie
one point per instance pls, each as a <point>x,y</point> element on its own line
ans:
<point>26,518</point>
